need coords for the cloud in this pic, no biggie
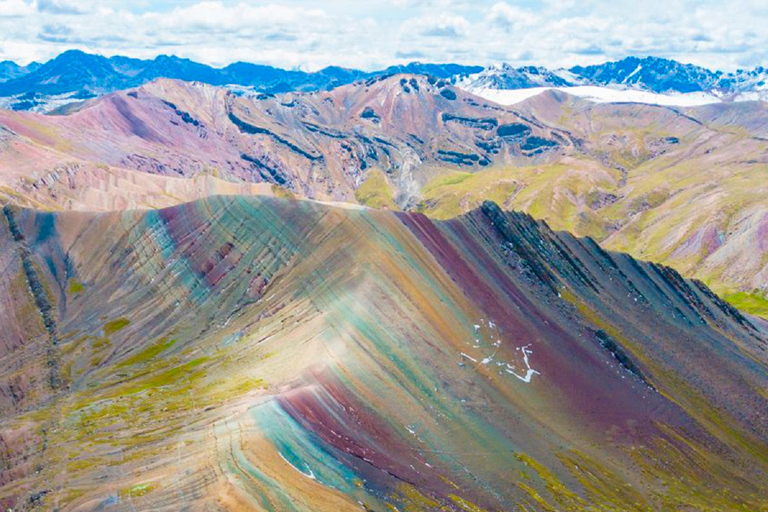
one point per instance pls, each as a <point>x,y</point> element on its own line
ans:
<point>15,9</point>
<point>413,54</point>
<point>55,33</point>
<point>444,26</point>
<point>57,29</point>
<point>281,36</point>
<point>220,18</point>
<point>509,17</point>
<point>62,6</point>
<point>590,49</point>
<point>315,33</point>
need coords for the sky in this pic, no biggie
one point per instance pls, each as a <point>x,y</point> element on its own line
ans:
<point>372,34</point>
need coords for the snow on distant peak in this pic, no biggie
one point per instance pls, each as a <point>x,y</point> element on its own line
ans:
<point>508,77</point>
<point>599,95</point>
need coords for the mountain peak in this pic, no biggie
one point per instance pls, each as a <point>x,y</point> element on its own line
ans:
<point>508,77</point>
<point>656,74</point>
<point>644,73</point>
<point>74,55</point>
<point>170,58</point>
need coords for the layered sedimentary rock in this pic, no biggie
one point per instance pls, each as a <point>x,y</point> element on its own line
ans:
<point>322,145</point>
<point>680,186</point>
<point>265,354</point>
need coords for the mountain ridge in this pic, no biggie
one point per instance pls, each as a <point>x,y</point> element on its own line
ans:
<point>319,145</point>
<point>629,175</point>
<point>307,357</point>
<point>652,74</point>
<point>75,75</point>
<point>10,70</point>
<point>78,71</point>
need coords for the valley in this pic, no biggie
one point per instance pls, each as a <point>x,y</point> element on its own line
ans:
<point>679,186</point>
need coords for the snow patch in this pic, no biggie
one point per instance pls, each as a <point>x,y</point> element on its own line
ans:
<point>308,475</point>
<point>599,95</point>
<point>530,372</point>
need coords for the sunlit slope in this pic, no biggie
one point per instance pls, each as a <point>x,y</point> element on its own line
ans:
<point>685,187</point>
<point>395,130</point>
<point>679,186</point>
<point>264,354</point>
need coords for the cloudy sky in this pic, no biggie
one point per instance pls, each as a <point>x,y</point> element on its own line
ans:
<point>371,34</point>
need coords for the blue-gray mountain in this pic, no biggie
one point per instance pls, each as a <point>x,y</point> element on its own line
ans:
<point>10,70</point>
<point>85,75</point>
<point>77,75</point>
<point>648,74</point>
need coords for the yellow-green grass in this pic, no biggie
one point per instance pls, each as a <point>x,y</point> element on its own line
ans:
<point>665,202</point>
<point>115,325</point>
<point>557,193</point>
<point>376,192</point>
<point>755,303</point>
<point>149,353</point>
<point>75,286</point>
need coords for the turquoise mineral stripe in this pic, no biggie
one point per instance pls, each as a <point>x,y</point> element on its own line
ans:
<point>303,450</point>
<point>240,467</point>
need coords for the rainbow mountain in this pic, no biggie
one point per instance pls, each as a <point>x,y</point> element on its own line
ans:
<point>257,353</point>
<point>682,186</point>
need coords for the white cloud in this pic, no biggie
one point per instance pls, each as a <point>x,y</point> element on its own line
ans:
<point>510,17</point>
<point>215,16</point>
<point>445,25</point>
<point>376,33</point>
<point>15,8</point>
<point>64,6</point>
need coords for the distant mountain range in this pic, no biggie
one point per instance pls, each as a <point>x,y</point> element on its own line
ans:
<point>76,75</point>
<point>10,70</point>
<point>646,74</point>
<point>79,75</point>
<point>317,145</point>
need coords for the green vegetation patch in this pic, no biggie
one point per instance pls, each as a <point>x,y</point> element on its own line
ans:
<point>451,179</point>
<point>465,504</point>
<point>75,286</point>
<point>244,386</point>
<point>168,378</point>
<point>454,193</point>
<point>752,303</point>
<point>376,192</point>
<point>148,353</point>
<point>137,490</point>
<point>115,325</point>
<point>282,192</point>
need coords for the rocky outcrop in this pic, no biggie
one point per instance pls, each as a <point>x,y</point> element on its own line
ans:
<point>43,302</point>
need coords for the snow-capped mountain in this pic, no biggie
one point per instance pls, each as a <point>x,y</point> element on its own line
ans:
<point>669,76</point>
<point>651,74</point>
<point>508,77</point>
<point>639,80</point>
<point>745,83</point>
<point>75,75</point>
